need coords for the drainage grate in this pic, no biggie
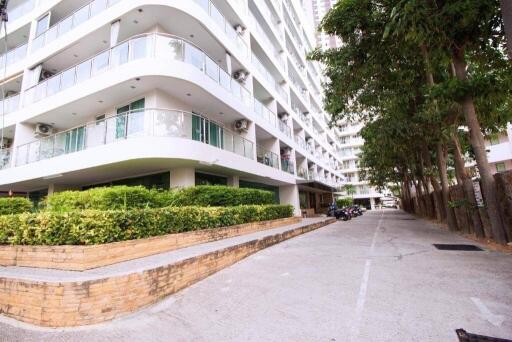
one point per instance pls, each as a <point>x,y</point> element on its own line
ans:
<point>467,337</point>
<point>450,247</point>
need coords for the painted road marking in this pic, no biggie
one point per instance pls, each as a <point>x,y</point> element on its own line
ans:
<point>361,297</point>
<point>495,320</point>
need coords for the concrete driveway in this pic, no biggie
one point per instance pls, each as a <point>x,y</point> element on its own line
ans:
<point>375,278</point>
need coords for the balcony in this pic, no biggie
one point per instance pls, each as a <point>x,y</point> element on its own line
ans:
<point>5,158</point>
<point>287,165</point>
<point>14,55</point>
<point>135,124</point>
<point>10,104</point>
<point>268,44</point>
<point>68,23</point>
<point>153,45</point>
<point>266,157</point>
<point>20,10</point>
<point>221,21</point>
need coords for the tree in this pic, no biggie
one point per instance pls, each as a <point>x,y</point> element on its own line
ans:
<point>349,189</point>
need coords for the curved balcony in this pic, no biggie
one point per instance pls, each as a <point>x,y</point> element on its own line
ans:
<point>153,45</point>
<point>135,124</point>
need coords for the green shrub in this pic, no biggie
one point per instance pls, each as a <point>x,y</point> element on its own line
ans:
<point>15,205</point>
<point>88,227</point>
<point>108,198</point>
<point>208,195</point>
<point>344,202</point>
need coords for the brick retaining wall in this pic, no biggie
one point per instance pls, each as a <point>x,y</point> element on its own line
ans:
<point>80,258</point>
<point>76,303</point>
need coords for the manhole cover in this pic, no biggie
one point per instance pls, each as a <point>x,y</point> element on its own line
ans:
<point>467,337</point>
<point>456,247</point>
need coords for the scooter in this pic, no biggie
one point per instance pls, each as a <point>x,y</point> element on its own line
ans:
<point>333,211</point>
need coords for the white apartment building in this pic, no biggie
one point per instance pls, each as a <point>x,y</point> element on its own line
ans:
<point>499,150</point>
<point>165,93</point>
<point>320,9</point>
<point>351,143</point>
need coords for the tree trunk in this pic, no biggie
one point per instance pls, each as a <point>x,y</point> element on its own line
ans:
<point>478,144</point>
<point>467,185</point>
<point>438,202</point>
<point>443,173</point>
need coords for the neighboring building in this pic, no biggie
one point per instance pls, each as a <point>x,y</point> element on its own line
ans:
<point>165,95</point>
<point>499,149</point>
<point>351,143</point>
<point>320,9</point>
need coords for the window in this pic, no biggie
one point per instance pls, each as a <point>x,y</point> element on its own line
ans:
<point>42,24</point>
<point>130,119</point>
<point>500,167</point>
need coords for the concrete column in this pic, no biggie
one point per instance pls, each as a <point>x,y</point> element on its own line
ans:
<point>183,177</point>
<point>114,32</point>
<point>229,67</point>
<point>372,203</point>
<point>234,181</point>
<point>289,194</point>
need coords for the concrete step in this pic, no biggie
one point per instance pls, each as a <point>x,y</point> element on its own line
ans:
<point>60,298</point>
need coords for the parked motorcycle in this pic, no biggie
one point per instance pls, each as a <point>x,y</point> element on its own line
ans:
<point>342,214</point>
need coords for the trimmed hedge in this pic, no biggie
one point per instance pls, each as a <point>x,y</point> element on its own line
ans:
<point>15,205</point>
<point>130,197</point>
<point>107,198</point>
<point>215,195</point>
<point>89,227</point>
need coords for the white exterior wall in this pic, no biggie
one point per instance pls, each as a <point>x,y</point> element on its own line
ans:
<point>168,83</point>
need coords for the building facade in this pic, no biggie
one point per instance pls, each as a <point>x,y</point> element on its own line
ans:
<point>320,9</point>
<point>165,93</point>
<point>499,150</point>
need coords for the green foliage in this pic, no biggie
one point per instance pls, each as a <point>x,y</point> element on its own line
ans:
<point>131,197</point>
<point>14,205</point>
<point>344,202</point>
<point>88,227</point>
<point>214,195</point>
<point>107,198</point>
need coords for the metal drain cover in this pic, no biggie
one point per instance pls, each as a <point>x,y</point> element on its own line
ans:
<point>467,337</point>
<point>456,247</point>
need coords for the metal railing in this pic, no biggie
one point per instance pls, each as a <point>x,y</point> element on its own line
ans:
<point>267,157</point>
<point>135,124</point>
<point>152,45</point>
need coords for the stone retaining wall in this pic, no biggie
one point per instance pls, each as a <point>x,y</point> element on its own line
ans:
<point>80,258</point>
<point>76,303</point>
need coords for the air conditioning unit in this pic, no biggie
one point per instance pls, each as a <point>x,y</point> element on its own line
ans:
<point>239,29</point>
<point>310,140</point>
<point>242,125</point>
<point>45,74</point>
<point>304,91</point>
<point>5,143</point>
<point>241,76</point>
<point>43,130</point>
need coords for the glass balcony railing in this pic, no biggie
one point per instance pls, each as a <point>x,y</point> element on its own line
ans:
<point>272,20</point>
<point>302,173</point>
<point>14,55</point>
<point>221,21</point>
<point>135,124</point>
<point>5,158</point>
<point>284,128</point>
<point>265,113</point>
<point>68,23</point>
<point>287,165</point>
<point>263,35</point>
<point>10,104</point>
<point>20,10</point>
<point>153,45</point>
<point>266,157</point>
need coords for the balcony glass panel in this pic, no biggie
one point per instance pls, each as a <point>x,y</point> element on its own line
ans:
<point>97,6</point>
<point>100,62</point>
<point>67,79</point>
<point>119,55</point>
<point>83,71</point>
<point>135,124</point>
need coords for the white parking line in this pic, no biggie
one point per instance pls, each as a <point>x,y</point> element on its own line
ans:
<point>495,320</point>
<point>361,297</point>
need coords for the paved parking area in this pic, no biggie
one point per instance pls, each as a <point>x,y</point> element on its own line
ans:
<point>375,278</point>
